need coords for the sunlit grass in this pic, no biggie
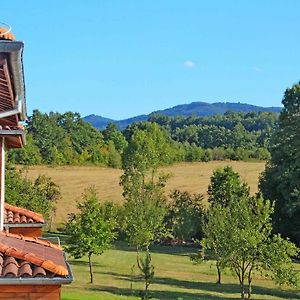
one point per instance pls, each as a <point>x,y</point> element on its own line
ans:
<point>175,278</point>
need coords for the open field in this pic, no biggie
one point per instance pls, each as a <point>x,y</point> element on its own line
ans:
<point>175,278</point>
<point>192,177</point>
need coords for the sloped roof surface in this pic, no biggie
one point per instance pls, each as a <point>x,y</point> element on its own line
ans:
<point>18,215</point>
<point>30,257</point>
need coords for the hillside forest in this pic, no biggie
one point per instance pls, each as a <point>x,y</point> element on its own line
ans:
<point>66,139</point>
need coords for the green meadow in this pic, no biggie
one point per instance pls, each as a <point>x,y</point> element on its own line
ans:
<point>176,277</point>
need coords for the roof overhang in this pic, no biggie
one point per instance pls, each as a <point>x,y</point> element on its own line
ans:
<point>14,52</point>
<point>23,225</point>
<point>14,138</point>
<point>38,280</point>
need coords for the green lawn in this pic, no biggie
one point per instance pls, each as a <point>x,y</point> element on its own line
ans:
<point>175,278</point>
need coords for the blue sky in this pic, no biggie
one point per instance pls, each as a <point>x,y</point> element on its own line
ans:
<point>123,58</point>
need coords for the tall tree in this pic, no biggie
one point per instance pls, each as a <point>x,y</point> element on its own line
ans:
<point>280,181</point>
<point>145,202</point>
<point>92,229</point>
<point>225,186</point>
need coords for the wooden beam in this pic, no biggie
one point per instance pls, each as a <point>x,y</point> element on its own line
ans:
<point>9,83</point>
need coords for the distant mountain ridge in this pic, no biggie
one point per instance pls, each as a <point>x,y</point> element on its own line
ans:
<point>194,108</point>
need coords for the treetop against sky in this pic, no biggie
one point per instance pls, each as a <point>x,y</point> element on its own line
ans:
<point>124,58</point>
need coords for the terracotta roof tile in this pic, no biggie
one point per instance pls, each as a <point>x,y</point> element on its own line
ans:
<point>30,257</point>
<point>30,239</point>
<point>6,36</point>
<point>19,215</point>
<point>39,272</point>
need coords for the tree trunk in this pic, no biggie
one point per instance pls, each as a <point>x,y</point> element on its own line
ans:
<point>138,258</point>
<point>146,289</point>
<point>91,268</point>
<point>249,283</point>
<point>242,285</point>
<point>219,272</point>
<point>242,291</point>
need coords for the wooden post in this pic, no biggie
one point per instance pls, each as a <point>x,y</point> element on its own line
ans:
<point>2,182</point>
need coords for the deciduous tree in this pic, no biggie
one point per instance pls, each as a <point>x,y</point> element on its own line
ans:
<point>240,235</point>
<point>145,203</point>
<point>280,181</point>
<point>91,230</point>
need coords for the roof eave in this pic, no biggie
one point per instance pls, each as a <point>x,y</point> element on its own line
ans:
<point>15,51</point>
<point>39,280</point>
<point>14,132</point>
<point>24,225</point>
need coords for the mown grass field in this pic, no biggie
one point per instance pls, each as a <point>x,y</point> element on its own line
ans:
<point>192,177</point>
<point>175,278</point>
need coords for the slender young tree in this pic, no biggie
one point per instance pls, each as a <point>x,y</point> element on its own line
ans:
<point>91,230</point>
<point>145,203</point>
<point>225,186</point>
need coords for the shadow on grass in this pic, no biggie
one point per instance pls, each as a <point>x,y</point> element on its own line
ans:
<point>84,263</point>
<point>162,249</point>
<point>158,294</point>
<point>207,287</point>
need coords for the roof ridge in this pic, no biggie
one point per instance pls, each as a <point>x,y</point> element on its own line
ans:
<point>28,213</point>
<point>32,239</point>
<point>49,265</point>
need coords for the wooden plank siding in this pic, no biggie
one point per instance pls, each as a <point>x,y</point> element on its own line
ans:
<point>27,231</point>
<point>30,292</point>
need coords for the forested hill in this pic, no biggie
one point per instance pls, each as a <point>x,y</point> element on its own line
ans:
<point>66,139</point>
<point>194,108</point>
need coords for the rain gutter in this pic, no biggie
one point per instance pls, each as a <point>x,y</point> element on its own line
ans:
<point>38,280</point>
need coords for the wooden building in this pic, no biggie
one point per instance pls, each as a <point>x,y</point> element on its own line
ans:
<point>30,268</point>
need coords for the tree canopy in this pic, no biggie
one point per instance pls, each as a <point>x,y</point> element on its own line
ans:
<point>280,181</point>
<point>240,237</point>
<point>66,139</point>
<point>225,184</point>
<point>39,195</point>
<point>92,229</point>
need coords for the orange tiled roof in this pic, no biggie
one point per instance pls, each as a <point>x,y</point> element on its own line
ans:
<point>19,215</point>
<point>29,257</point>
<point>6,36</point>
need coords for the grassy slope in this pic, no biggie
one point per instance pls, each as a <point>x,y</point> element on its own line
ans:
<point>175,278</point>
<point>192,177</point>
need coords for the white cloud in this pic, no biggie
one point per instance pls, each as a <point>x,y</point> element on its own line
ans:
<point>189,64</point>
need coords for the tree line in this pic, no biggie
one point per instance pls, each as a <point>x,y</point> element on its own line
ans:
<point>65,139</point>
